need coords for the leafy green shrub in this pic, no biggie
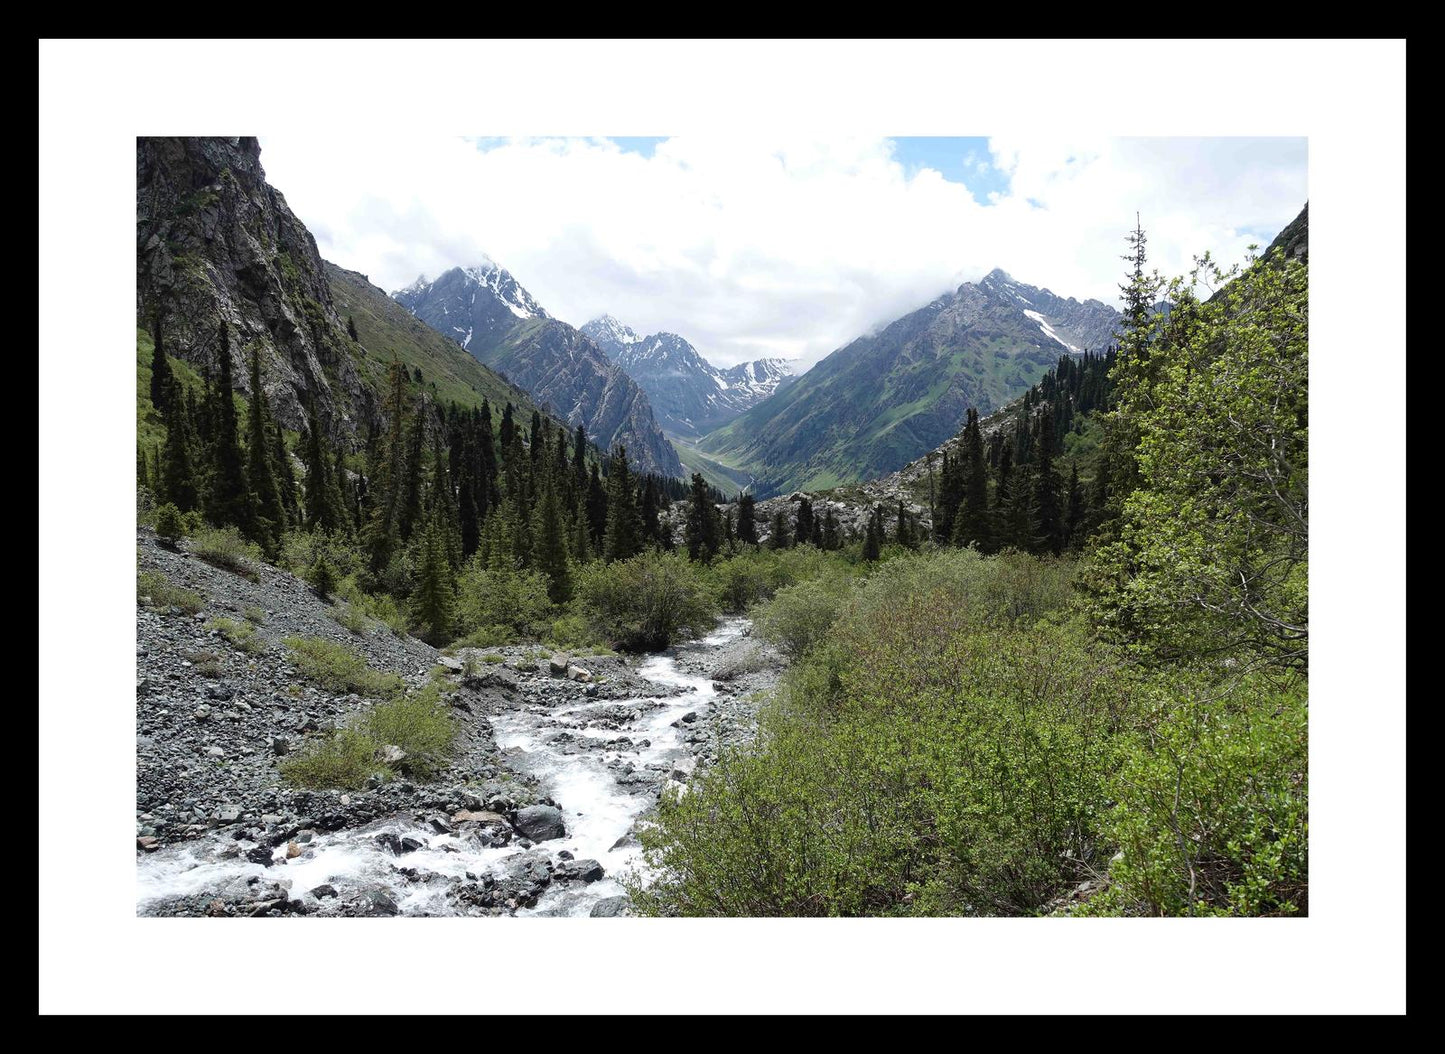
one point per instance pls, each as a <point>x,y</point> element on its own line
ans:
<point>516,600</point>
<point>755,574</point>
<point>156,591</point>
<point>485,637</point>
<point>647,602</point>
<point>340,761</point>
<point>224,547</point>
<point>911,763</point>
<point>339,669</point>
<point>493,657</point>
<point>1212,813</point>
<point>169,524</point>
<point>251,613</point>
<point>797,617</point>
<point>420,724</point>
<point>572,633</point>
<point>241,635</point>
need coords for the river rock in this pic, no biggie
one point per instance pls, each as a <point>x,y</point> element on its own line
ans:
<point>557,666</point>
<point>683,769</point>
<point>228,813</point>
<point>579,870</point>
<point>323,891</point>
<point>391,754</point>
<point>376,902</point>
<point>452,664</point>
<point>540,823</point>
<point>577,673</point>
<point>610,908</point>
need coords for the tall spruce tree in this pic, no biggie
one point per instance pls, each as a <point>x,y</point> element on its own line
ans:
<point>972,520</point>
<point>1047,491</point>
<point>803,524</point>
<point>549,541</point>
<point>285,473</point>
<point>163,381</point>
<point>873,535</point>
<point>747,518</point>
<point>903,532</point>
<point>229,494</point>
<point>779,536</point>
<point>1076,523</point>
<point>832,536</point>
<point>596,507</point>
<point>176,481</point>
<point>433,598</point>
<point>702,529</point>
<point>622,537</point>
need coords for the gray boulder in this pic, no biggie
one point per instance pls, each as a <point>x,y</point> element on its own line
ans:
<point>540,823</point>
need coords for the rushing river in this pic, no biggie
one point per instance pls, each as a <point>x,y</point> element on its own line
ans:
<point>575,766</point>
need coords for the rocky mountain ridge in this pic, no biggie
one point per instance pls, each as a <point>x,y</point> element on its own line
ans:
<point>689,394</point>
<point>484,310</point>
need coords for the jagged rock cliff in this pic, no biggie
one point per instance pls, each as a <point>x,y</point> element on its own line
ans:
<point>215,243</point>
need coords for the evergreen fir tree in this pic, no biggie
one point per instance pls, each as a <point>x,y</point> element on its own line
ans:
<point>903,529</point>
<point>803,524</point>
<point>163,381</point>
<point>778,536</point>
<point>176,480</point>
<point>509,429</point>
<point>549,545</point>
<point>747,518</point>
<point>285,473</point>
<point>651,528</point>
<point>832,537</point>
<point>1047,491</point>
<point>1076,526</point>
<point>351,329</point>
<point>433,598</point>
<point>622,538</point>
<point>702,529</point>
<point>596,507</point>
<point>581,532</point>
<point>229,494</point>
<point>972,519</point>
<point>873,536</point>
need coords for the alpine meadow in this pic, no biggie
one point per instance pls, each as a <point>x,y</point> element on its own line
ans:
<point>733,565</point>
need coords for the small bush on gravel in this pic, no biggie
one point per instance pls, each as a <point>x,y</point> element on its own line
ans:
<point>349,617</point>
<point>226,549</point>
<point>241,635</point>
<point>340,761</point>
<point>339,669</point>
<point>157,591</point>
<point>169,524</point>
<point>493,657</point>
<point>322,577</point>
<point>418,723</point>
<point>251,613</point>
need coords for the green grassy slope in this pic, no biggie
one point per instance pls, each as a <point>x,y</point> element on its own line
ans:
<point>386,328</point>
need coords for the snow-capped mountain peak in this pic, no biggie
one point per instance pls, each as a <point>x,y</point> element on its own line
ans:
<point>472,305</point>
<point>611,335</point>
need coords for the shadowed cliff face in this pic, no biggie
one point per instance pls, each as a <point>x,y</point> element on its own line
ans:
<point>214,243</point>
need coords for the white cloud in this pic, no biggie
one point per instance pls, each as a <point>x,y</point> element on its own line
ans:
<point>753,247</point>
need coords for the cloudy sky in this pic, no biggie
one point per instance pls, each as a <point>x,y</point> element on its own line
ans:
<point>783,247</point>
